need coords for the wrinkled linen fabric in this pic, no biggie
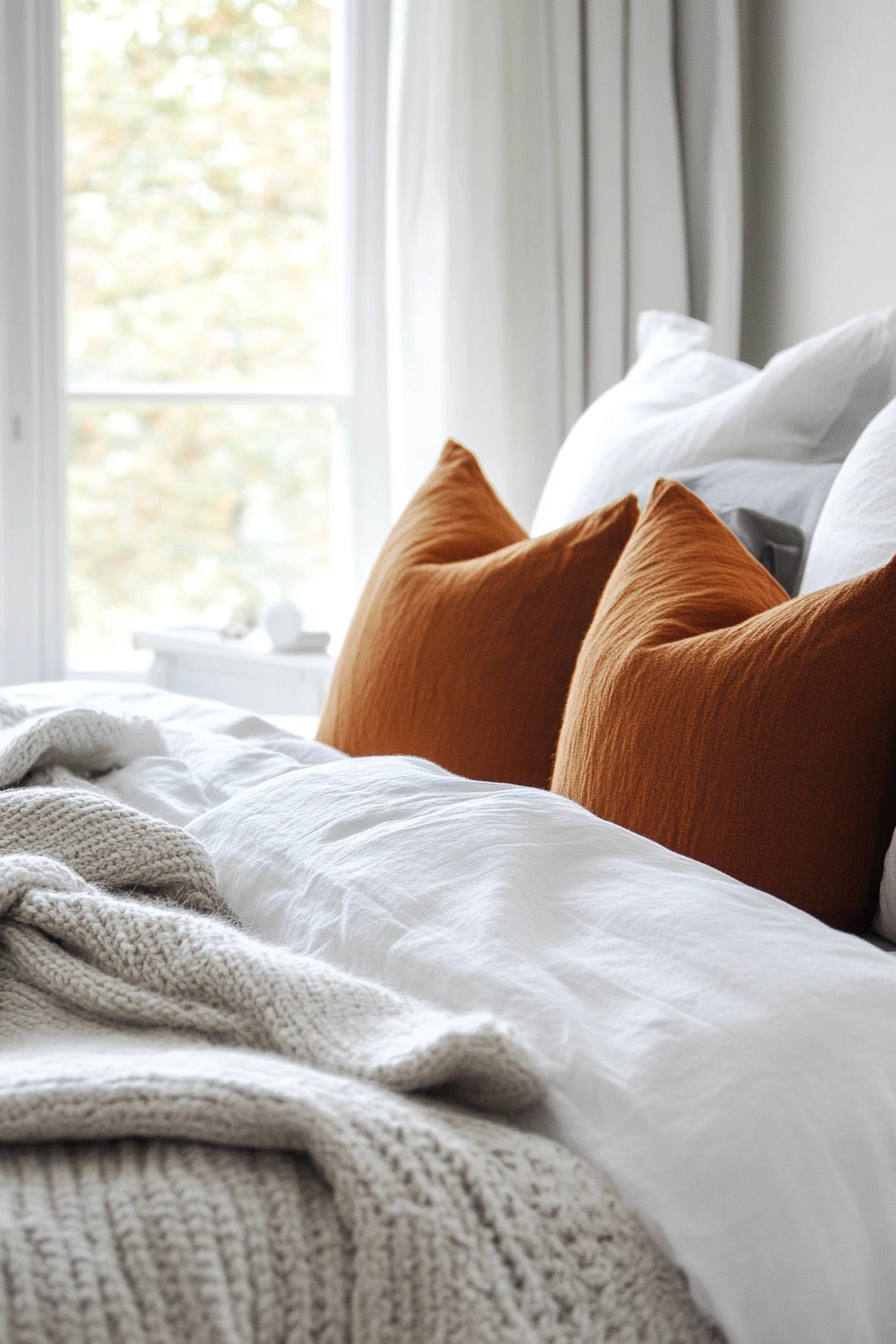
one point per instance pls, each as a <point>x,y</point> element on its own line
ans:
<point>208,752</point>
<point>728,1060</point>
<point>142,1025</point>
<point>809,404</point>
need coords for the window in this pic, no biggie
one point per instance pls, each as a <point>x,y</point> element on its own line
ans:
<point>204,324</point>
<point>204,429</point>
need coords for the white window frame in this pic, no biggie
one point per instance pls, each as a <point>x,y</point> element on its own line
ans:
<point>33,394</point>
<point>32,431</point>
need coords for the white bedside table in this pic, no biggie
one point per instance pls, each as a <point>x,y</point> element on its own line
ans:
<point>199,662</point>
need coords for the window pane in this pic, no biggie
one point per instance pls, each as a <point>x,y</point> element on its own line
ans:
<point>177,511</point>
<point>198,190</point>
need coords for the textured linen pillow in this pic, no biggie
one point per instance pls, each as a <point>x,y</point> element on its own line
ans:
<point>856,529</point>
<point>466,636</point>
<point>748,731</point>
<point>809,404</point>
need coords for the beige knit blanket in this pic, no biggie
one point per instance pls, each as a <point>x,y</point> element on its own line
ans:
<point>206,1138</point>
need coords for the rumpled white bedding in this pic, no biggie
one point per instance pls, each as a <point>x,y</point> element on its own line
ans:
<point>729,1061</point>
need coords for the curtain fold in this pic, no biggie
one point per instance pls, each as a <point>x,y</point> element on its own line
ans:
<point>552,167</point>
<point>484,210</point>
<point>709,103</point>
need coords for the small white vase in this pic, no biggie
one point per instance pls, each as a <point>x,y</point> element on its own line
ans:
<point>284,622</point>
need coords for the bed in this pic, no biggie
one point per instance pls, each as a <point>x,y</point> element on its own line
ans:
<point>307,1044</point>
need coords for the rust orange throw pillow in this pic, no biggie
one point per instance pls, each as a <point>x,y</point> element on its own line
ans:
<point>754,733</point>
<point>466,636</point>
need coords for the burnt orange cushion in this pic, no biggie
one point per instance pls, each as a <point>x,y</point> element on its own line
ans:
<point>466,636</point>
<point>754,733</point>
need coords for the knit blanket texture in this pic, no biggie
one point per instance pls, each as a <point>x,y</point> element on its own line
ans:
<point>206,1138</point>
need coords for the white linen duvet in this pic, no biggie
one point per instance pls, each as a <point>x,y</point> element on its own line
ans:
<point>728,1060</point>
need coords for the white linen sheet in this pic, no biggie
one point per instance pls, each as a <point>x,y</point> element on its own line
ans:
<point>729,1061</point>
<point>216,750</point>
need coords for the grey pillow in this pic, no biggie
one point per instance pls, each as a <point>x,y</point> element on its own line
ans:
<point>778,546</point>
<point>771,506</point>
<point>792,491</point>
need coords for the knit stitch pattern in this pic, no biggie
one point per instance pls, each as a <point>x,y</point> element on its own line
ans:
<point>109,843</point>
<point>207,1138</point>
<point>87,739</point>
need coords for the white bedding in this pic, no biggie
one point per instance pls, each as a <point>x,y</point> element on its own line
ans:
<point>728,1060</point>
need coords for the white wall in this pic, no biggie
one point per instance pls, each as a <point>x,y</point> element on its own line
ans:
<point>820,166</point>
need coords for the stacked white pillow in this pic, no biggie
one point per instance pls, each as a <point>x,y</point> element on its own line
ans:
<point>674,370</point>
<point>856,532</point>
<point>856,529</point>
<point>681,406</point>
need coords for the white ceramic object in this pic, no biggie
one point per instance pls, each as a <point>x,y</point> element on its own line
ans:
<point>284,623</point>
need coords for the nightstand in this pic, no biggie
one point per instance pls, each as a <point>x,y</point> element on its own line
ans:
<point>200,662</point>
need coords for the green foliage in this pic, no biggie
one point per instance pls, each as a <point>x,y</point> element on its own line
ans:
<point>198,248</point>
<point>198,189</point>
<point>177,508</point>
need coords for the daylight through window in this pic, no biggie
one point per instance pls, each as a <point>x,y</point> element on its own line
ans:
<point>204,312</point>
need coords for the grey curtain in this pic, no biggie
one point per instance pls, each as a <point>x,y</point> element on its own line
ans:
<point>663,169</point>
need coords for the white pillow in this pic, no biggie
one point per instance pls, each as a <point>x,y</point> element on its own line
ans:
<point>856,529</point>
<point>809,404</point>
<point>856,532</point>
<point>675,368</point>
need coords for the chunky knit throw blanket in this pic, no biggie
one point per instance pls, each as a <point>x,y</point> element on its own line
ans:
<point>206,1138</point>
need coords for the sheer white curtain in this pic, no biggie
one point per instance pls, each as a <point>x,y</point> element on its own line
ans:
<point>484,224</point>
<point>552,167</point>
